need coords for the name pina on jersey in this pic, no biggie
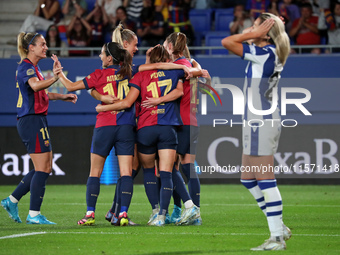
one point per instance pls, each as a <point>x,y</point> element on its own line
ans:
<point>156,75</point>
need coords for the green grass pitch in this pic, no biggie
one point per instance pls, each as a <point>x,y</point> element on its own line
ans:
<point>232,224</point>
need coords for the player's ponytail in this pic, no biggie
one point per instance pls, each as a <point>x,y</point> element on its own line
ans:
<point>159,54</point>
<point>278,36</point>
<point>24,41</point>
<point>119,35</point>
<point>121,57</point>
<point>178,41</point>
<point>126,64</point>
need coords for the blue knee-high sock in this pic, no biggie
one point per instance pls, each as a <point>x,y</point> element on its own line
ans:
<point>92,192</point>
<point>126,192</point>
<point>159,184</point>
<point>37,189</point>
<point>179,185</point>
<point>151,186</point>
<point>114,206</point>
<point>193,183</point>
<point>177,198</point>
<point>166,191</point>
<point>24,186</point>
<point>119,200</point>
<point>273,201</point>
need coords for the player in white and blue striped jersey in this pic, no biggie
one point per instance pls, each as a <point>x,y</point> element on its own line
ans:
<point>267,53</point>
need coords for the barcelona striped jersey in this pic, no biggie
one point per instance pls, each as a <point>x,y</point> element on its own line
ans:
<point>30,102</point>
<point>189,100</point>
<point>158,83</point>
<point>109,82</point>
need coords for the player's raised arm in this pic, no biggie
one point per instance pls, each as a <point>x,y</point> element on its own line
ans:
<point>69,85</point>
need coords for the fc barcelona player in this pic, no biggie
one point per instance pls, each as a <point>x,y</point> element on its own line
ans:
<point>156,125</point>
<point>176,45</point>
<point>32,106</point>
<point>112,128</point>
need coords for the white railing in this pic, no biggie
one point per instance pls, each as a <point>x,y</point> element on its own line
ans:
<point>11,51</point>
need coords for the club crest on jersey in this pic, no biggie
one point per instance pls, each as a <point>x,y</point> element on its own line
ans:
<point>30,72</point>
<point>47,143</point>
<point>89,77</point>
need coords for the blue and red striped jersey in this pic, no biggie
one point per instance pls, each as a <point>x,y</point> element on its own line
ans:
<point>189,100</point>
<point>157,83</point>
<point>108,82</point>
<point>30,102</point>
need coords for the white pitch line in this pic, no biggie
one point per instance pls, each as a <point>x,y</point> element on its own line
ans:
<point>22,235</point>
<point>165,233</point>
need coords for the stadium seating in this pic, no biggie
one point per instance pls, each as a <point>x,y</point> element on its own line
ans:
<point>201,22</point>
<point>214,38</point>
<point>223,17</point>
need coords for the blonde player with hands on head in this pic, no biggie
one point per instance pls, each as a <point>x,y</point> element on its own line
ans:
<point>267,53</point>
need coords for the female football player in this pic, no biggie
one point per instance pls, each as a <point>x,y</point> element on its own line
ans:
<point>176,45</point>
<point>32,106</point>
<point>112,128</point>
<point>267,54</point>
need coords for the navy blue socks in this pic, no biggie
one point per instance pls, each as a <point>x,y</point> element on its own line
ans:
<point>37,189</point>
<point>151,186</point>
<point>24,186</point>
<point>166,191</point>
<point>193,183</point>
<point>179,185</point>
<point>92,192</point>
<point>126,192</point>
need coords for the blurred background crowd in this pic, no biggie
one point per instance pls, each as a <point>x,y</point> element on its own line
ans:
<point>89,23</point>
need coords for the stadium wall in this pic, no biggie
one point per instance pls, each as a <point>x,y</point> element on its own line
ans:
<point>313,144</point>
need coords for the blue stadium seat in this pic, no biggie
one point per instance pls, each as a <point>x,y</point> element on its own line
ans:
<point>214,38</point>
<point>201,21</point>
<point>223,17</point>
<point>42,32</point>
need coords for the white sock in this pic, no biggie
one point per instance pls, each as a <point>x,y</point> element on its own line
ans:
<point>255,190</point>
<point>33,213</point>
<point>273,200</point>
<point>188,204</point>
<point>89,213</point>
<point>13,199</point>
